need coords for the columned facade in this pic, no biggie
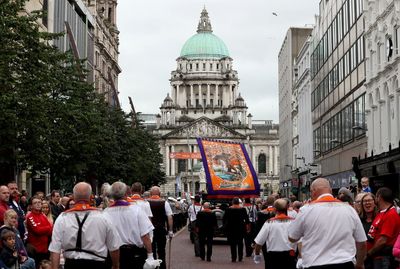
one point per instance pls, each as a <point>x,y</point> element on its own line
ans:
<point>205,101</point>
<point>382,102</point>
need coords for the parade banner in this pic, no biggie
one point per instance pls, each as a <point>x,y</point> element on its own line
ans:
<point>229,171</point>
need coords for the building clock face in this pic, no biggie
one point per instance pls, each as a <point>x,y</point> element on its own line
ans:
<point>389,47</point>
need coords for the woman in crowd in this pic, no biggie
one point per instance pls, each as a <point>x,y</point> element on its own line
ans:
<point>367,216</point>
<point>10,223</point>
<point>47,212</point>
<point>39,232</point>
<point>357,202</point>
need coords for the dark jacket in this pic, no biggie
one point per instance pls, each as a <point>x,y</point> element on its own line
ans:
<point>21,217</point>
<point>6,255</point>
<point>235,221</point>
<point>206,222</point>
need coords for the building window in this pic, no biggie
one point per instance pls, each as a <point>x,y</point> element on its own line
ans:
<point>359,116</point>
<point>317,141</point>
<point>347,123</point>
<point>204,67</point>
<point>181,165</point>
<point>211,67</point>
<point>191,66</point>
<point>197,66</point>
<point>262,163</point>
<point>396,39</point>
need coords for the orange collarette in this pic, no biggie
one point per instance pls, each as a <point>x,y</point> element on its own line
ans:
<point>327,198</point>
<point>81,207</point>
<point>281,217</point>
<point>136,197</point>
<point>155,197</point>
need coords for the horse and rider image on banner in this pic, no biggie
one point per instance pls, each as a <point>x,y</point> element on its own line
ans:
<point>229,171</point>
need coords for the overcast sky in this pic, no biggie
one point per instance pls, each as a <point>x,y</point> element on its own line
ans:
<point>152,33</point>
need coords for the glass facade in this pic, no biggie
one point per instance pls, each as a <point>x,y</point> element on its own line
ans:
<point>337,74</point>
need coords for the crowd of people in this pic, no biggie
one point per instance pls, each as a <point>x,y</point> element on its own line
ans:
<point>347,231</point>
<point>117,229</point>
<point>125,227</point>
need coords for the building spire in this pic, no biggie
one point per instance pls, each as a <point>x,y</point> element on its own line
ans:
<point>204,24</point>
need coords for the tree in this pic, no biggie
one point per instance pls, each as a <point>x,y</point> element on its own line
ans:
<point>52,121</point>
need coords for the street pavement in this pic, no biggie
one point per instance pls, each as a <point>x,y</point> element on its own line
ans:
<point>182,253</point>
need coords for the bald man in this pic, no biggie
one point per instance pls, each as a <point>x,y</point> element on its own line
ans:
<point>331,231</point>
<point>4,199</point>
<point>84,234</point>
<point>274,234</point>
<point>162,214</point>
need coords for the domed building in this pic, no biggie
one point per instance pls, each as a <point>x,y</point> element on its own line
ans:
<point>204,101</point>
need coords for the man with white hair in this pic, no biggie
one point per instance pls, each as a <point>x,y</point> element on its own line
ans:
<point>331,231</point>
<point>133,227</point>
<point>84,234</point>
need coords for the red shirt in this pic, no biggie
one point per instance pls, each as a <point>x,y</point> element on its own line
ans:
<point>3,208</point>
<point>39,231</point>
<point>386,223</point>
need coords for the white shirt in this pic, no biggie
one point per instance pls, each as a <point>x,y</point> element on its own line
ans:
<point>98,235</point>
<point>193,210</point>
<point>274,234</point>
<point>168,210</point>
<point>131,223</point>
<point>329,231</point>
<point>292,213</point>
<point>145,206</point>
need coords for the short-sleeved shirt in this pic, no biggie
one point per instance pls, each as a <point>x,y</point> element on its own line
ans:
<point>145,205</point>
<point>329,229</point>
<point>98,235</point>
<point>386,223</point>
<point>274,234</point>
<point>131,223</point>
<point>193,210</point>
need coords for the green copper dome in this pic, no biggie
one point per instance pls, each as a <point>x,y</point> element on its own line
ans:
<point>204,44</point>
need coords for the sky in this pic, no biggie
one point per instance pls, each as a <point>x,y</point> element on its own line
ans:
<point>152,33</point>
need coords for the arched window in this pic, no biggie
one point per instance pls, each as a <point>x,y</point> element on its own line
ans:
<point>262,163</point>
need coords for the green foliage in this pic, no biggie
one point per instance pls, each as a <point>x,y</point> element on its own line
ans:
<point>52,121</point>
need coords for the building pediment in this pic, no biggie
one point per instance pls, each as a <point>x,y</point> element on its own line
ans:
<point>204,127</point>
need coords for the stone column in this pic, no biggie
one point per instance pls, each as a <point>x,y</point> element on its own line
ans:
<point>276,160</point>
<point>231,101</point>
<point>173,162</point>
<point>208,94</point>
<point>189,160</point>
<point>195,150</point>
<point>178,95</point>
<point>167,160</point>
<point>253,157</point>
<point>270,161</point>
<point>173,93</point>
<point>192,95</point>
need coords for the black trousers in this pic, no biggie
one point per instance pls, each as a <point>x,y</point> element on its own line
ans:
<point>132,257</point>
<point>280,259</point>
<point>158,245</point>
<point>249,238</point>
<point>205,238</point>
<point>347,265</point>
<point>236,243</point>
<point>83,264</point>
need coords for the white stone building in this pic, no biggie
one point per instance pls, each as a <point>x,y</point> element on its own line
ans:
<point>302,124</point>
<point>293,42</point>
<point>382,102</point>
<point>205,101</point>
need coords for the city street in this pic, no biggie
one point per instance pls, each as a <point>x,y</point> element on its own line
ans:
<point>183,255</point>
